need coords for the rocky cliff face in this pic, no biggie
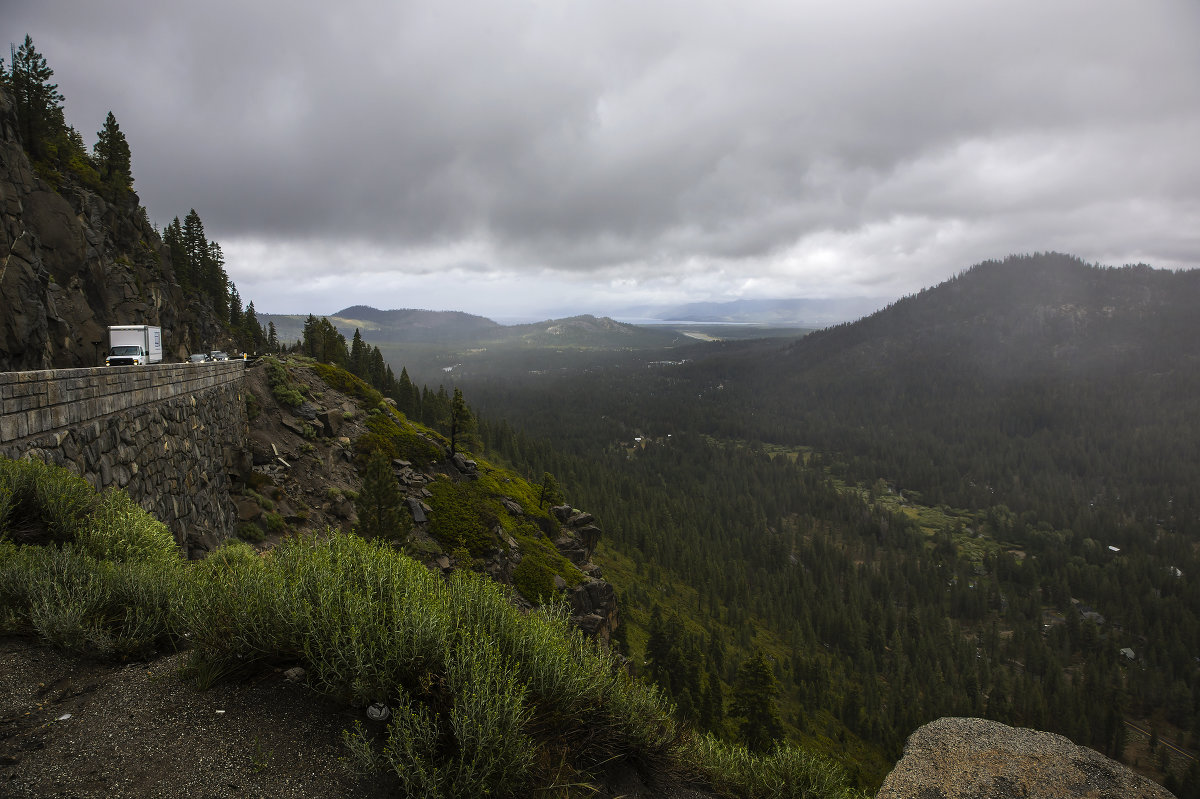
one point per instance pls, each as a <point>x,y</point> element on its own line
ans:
<point>957,758</point>
<point>73,263</point>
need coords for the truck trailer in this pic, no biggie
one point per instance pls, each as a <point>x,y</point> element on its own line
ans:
<point>133,345</point>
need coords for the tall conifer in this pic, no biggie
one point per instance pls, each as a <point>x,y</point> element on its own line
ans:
<point>112,156</point>
<point>37,101</point>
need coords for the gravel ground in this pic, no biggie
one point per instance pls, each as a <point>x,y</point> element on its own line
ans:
<point>75,728</point>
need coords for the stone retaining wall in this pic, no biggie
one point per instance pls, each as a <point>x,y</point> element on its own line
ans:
<point>169,434</point>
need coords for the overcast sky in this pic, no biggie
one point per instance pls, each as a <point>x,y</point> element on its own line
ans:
<point>537,159</point>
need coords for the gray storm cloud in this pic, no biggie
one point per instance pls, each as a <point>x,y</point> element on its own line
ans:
<point>764,140</point>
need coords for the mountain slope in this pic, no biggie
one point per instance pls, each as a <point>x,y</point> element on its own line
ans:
<point>1040,312</point>
<point>1040,382</point>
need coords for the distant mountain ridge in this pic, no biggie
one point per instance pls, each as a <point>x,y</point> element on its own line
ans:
<point>415,326</point>
<point>1028,312</point>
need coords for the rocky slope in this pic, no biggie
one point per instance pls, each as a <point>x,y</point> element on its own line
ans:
<point>301,470</point>
<point>72,263</point>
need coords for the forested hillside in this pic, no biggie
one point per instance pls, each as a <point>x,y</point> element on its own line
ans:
<point>979,501</point>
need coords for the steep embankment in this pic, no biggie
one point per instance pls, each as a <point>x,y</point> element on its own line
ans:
<point>313,429</point>
<point>72,263</point>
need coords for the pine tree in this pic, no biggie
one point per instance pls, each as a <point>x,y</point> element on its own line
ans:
<point>195,248</point>
<point>36,100</point>
<point>754,691</point>
<point>235,307</point>
<point>550,494</point>
<point>112,156</point>
<point>462,421</point>
<point>174,239</point>
<point>358,356</point>
<point>714,701</point>
<point>406,397</point>
<point>310,341</point>
<point>376,368</point>
<point>378,505</point>
<point>272,337</point>
<point>214,281</point>
<point>323,342</point>
<point>253,332</point>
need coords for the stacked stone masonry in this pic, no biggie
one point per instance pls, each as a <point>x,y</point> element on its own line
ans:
<point>169,434</point>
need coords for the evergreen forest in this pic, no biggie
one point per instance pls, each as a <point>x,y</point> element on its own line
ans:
<point>979,501</point>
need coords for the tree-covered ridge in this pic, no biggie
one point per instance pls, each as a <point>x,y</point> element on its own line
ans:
<point>925,505</point>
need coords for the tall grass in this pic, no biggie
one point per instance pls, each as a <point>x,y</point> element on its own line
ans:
<point>41,503</point>
<point>484,699</point>
<point>109,578</point>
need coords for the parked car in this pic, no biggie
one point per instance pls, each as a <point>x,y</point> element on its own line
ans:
<point>198,357</point>
<point>218,355</point>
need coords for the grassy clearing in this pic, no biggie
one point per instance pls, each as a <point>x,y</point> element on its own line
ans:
<point>484,699</point>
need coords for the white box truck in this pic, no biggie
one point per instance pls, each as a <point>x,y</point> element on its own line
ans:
<point>133,345</point>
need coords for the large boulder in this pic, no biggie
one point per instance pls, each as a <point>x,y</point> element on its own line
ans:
<point>962,758</point>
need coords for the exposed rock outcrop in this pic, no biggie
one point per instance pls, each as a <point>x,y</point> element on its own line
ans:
<point>312,470</point>
<point>963,758</point>
<point>72,263</point>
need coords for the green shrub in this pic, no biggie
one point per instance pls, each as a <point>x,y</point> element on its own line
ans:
<point>339,379</point>
<point>42,503</point>
<point>789,771</point>
<point>110,587</point>
<point>253,408</point>
<point>274,522</point>
<point>287,395</point>
<point>396,438</point>
<point>281,385</point>
<point>534,579</point>
<point>121,530</point>
<point>250,532</point>
<point>263,502</point>
<point>276,372</point>
<point>463,515</point>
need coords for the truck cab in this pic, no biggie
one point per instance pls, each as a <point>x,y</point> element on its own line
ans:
<point>126,355</point>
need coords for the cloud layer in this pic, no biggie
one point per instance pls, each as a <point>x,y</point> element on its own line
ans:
<point>505,158</point>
